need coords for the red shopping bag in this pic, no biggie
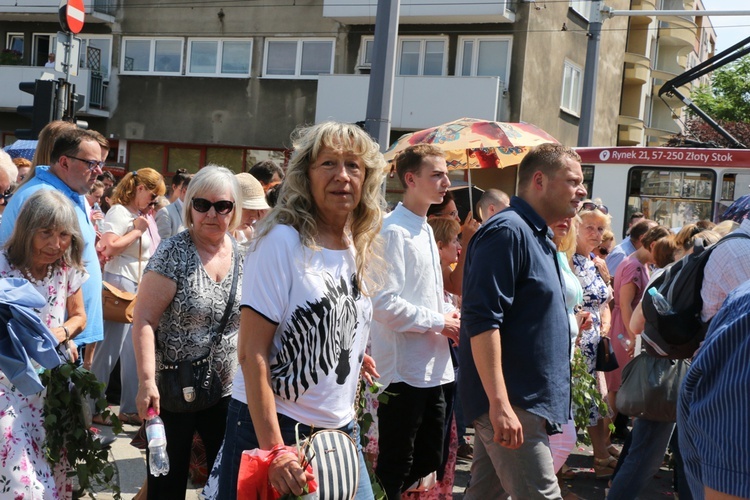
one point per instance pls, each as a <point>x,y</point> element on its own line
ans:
<point>252,482</point>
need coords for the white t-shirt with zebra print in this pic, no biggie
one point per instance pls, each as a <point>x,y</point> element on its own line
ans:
<point>323,325</point>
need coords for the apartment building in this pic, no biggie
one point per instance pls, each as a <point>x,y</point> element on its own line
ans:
<point>658,49</point>
<point>181,83</point>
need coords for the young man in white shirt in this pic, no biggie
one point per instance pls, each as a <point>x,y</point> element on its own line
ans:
<point>411,330</point>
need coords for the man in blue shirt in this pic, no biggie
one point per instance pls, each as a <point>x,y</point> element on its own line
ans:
<point>628,245</point>
<point>714,405</point>
<point>76,160</point>
<point>514,351</point>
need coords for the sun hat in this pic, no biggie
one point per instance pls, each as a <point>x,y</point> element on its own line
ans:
<point>253,197</point>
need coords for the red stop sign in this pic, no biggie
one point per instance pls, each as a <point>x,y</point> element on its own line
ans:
<point>72,15</point>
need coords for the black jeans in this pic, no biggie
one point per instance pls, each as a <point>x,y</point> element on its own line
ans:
<point>180,427</point>
<point>411,431</point>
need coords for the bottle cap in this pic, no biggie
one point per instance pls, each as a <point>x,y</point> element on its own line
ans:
<point>151,412</point>
<point>652,291</point>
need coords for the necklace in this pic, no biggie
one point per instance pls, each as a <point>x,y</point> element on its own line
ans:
<point>27,274</point>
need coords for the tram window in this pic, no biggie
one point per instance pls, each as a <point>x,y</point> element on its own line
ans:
<point>727,186</point>
<point>588,178</point>
<point>672,197</point>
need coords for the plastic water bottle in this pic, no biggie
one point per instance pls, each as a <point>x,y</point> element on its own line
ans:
<point>623,341</point>
<point>158,460</point>
<point>97,222</point>
<point>661,304</point>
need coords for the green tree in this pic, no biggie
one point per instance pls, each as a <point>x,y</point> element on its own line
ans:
<point>728,97</point>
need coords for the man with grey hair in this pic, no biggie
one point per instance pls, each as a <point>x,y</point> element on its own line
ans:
<point>492,201</point>
<point>76,160</point>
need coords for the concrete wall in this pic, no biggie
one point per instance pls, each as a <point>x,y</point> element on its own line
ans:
<point>251,112</point>
<point>541,48</point>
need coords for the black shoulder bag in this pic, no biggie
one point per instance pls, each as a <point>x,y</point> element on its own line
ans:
<point>192,385</point>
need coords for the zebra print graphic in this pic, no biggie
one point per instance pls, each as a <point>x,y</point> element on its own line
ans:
<point>318,338</point>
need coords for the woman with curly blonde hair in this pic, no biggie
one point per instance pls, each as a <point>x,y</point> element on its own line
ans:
<point>306,308</point>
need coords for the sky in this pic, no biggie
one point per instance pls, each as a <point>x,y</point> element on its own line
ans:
<point>729,29</point>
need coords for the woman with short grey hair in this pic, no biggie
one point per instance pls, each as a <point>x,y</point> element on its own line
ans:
<point>183,302</point>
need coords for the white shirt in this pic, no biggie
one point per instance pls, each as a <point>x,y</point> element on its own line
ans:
<point>406,341</point>
<point>323,322</point>
<point>727,268</point>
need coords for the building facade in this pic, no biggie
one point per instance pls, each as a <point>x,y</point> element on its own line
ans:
<point>182,83</point>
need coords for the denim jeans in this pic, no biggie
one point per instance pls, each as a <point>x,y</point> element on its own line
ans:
<point>240,436</point>
<point>649,441</point>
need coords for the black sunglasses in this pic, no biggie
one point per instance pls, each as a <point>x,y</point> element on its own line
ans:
<point>222,207</point>
<point>6,196</point>
<point>603,251</point>
<point>589,205</point>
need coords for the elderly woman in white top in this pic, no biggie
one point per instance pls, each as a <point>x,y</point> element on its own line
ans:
<point>128,240</point>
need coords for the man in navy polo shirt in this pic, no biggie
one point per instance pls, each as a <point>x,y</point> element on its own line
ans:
<point>514,348</point>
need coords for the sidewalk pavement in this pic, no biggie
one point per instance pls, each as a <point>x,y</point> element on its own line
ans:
<point>131,472</point>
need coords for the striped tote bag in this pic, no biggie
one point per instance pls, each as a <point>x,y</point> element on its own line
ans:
<point>335,464</point>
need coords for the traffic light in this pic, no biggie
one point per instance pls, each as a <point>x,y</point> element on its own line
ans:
<point>42,111</point>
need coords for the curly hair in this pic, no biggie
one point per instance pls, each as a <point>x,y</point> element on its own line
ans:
<point>296,208</point>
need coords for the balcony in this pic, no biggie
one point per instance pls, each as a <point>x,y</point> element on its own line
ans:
<point>88,83</point>
<point>637,69</point>
<point>642,5</point>
<point>418,101</point>
<point>420,12</point>
<point>678,31</point>
<point>630,131</point>
<point>45,11</point>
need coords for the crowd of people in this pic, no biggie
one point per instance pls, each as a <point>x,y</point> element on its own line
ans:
<point>280,291</point>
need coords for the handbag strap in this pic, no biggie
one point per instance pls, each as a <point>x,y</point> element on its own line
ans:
<point>230,302</point>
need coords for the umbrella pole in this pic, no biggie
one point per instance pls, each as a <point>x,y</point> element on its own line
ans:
<point>471,192</point>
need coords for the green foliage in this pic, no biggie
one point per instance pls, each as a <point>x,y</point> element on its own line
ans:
<point>584,392</point>
<point>728,97</point>
<point>365,420</point>
<point>66,425</point>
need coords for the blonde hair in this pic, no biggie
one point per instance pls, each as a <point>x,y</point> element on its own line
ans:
<point>568,242</point>
<point>147,177</point>
<point>607,237</point>
<point>296,208</point>
<point>444,228</point>
<point>725,227</point>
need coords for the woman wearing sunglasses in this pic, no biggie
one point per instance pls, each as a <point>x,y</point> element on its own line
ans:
<point>180,314</point>
<point>595,221</point>
<point>128,240</point>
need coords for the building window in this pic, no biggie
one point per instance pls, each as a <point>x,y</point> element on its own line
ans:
<point>298,58</point>
<point>152,55</point>
<point>484,56</point>
<point>421,56</point>
<point>365,52</point>
<point>96,54</point>
<point>571,89</point>
<point>14,41</point>
<point>582,7</point>
<point>229,58</point>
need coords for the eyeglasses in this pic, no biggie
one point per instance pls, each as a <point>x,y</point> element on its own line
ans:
<point>91,164</point>
<point>453,214</point>
<point>589,205</point>
<point>222,207</point>
<point>603,251</point>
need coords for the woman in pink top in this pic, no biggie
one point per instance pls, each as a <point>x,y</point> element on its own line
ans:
<point>630,282</point>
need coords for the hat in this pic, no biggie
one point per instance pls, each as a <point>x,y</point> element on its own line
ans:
<point>253,197</point>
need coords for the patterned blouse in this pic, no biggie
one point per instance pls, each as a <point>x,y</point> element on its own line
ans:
<point>185,328</point>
